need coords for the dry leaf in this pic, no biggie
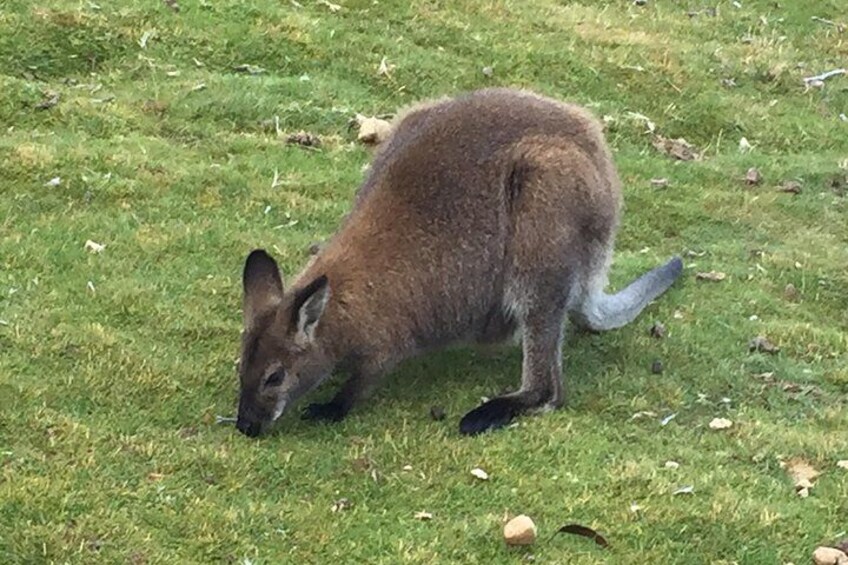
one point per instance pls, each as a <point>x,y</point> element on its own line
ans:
<point>659,182</point>
<point>677,148</point>
<point>488,72</point>
<point>304,139</point>
<point>248,69</point>
<point>668,419</point>
<point>55,181</point>
<point>332,7</point>
<point>763,345</point>
<point>688,489</point>
<point>341,504</point>
<point>714,276</point>
<point>423,516</point>
<point>172,4</point>
<point>720,424</point>
<point>520,531</point>
<point>643,414</point>
<point>437,413</point>
<point>672,465</point>
<point>384,69</point>
<point>790,292</point>
<point>635,508</point>
<point>94,247</point>
<point>372,130</point>
<point>790,186</point>
<point>480,474</point>
<point>657,330</point>
<point>842,464</point>
<point>585,532</point>
<point>803,475</point>
<point>744,146</point>
<point>753,177</point>
<point>50,99</point>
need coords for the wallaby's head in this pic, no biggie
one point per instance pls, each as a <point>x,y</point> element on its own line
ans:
<point>282,357</point>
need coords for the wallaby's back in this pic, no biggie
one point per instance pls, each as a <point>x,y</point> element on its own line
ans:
<point>431,244</point>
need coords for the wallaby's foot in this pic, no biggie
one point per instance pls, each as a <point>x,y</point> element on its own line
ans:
<point>328,412</point>
<point>491,415</point>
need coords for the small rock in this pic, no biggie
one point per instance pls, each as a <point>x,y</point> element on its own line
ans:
<point>372,130</point>
<point>763,345</point>
<point>720,424</point>
<point>829,556</point>
<point>94,247</point>
<point>314,248</point>
<point>672,465</point>
<point>790,292</point>
<point>488,72</point>
<point>657,367</point>
<point>480,473</point>
<point>753,177</point>
<point>744,145</point>
<point>437,413</point>
<point>520,531</point>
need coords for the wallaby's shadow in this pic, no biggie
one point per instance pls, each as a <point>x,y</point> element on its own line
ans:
<point>455,379</point>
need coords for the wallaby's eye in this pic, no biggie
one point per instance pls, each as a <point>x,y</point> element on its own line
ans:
<point>276,378</point>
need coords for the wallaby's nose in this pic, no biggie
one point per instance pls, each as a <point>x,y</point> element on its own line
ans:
<point>250,429</point>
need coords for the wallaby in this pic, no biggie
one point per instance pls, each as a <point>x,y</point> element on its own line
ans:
<point>482,217</point>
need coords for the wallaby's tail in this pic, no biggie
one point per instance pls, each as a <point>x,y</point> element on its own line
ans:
<point>609,311</point>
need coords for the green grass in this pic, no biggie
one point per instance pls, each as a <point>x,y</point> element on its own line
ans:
<point>108,450</point>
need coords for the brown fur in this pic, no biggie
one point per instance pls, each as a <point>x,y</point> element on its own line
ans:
<point>482,215</point>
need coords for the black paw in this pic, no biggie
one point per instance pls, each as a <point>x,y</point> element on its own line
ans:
<point>491,415</point>
<point>329,412</point>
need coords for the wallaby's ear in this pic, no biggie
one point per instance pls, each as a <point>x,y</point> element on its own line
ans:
<point>263,286</point>
<point>308,306</point>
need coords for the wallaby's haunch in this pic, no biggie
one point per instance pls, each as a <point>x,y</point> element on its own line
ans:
<point>482,217</point>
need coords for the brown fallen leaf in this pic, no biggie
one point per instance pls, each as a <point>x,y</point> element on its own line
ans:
<point>585,532</point>
<point>657,330</point>
<point>753,177</point>
<point>172,4</point>
<point>763,345</point>
<point>304,139</point>
<point>341,504</point>
<point>803,475</point>
<point>679,148</point>
<point>713,276</point>
<point>372,130</point>
<point>50,99</point>
<point>790,186</point>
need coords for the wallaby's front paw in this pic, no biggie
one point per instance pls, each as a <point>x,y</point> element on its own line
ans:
<point>491,415</point>
<point>329,412</point>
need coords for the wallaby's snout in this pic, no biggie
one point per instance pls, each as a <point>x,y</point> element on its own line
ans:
<point>248,428</point>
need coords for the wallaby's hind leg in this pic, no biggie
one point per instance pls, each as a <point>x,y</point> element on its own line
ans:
<point>541,374</point>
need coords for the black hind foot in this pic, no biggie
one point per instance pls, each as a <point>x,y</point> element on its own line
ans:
<point>491,415</point>
<point>328,412</point>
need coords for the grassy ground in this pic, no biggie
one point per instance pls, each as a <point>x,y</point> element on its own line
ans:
<point>113,365</point>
